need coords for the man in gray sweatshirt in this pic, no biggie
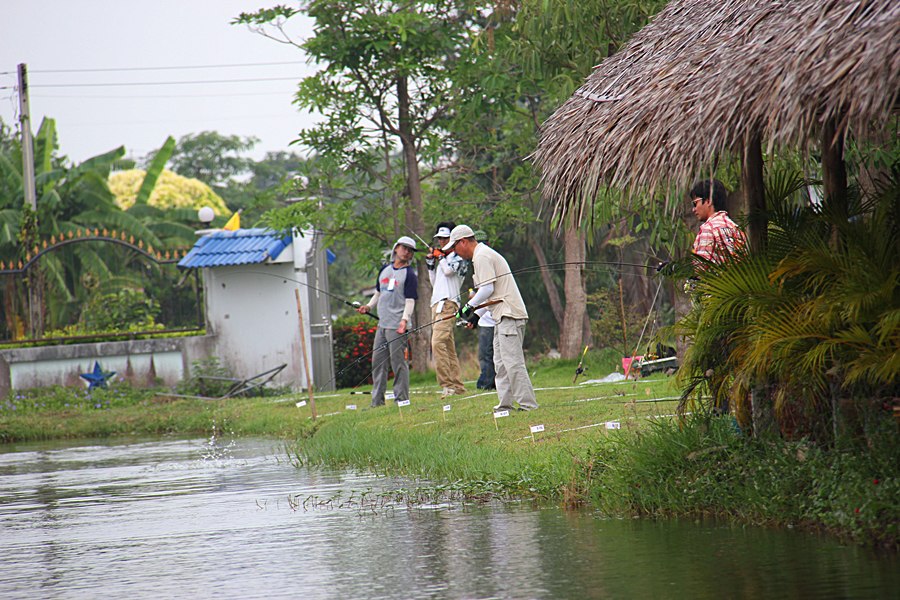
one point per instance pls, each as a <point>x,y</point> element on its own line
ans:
<point>395,297</point>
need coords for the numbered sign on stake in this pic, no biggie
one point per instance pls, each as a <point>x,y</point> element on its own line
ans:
<point>446,408</point>
<point>613,425</point>
<point>351,407</point>
<point>389,395</point>
<point>501,413</point>
<point>301,404</point>
<point>403,403</point>
<point>537,428</point>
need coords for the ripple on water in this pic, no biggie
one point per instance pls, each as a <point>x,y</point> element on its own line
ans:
<point>225,518</point>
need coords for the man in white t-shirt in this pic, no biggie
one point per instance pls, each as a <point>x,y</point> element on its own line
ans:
<point>494,282</point>
<point>446,272</point>
<point>485,324</point>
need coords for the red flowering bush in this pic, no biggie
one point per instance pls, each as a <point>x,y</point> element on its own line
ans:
<point>353,339</point>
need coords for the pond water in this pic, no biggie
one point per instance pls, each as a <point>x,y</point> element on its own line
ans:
<point>202,519</point>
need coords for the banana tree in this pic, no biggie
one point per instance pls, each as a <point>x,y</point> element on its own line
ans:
<point>71,198</point>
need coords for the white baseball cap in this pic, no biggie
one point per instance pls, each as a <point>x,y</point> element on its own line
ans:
<point>460,232</point>
<point>406,241</point>
<point>442,232</point>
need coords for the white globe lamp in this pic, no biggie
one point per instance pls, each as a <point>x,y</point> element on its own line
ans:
<point>206,215</point>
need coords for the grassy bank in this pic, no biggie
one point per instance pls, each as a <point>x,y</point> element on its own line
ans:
<point>121,411</point>
<point>651,465</point>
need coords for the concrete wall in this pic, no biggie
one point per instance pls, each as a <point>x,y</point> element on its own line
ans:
<point>143,362</point>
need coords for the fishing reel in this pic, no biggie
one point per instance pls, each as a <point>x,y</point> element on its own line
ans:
<point>470,323</point>
<point>433,256</point>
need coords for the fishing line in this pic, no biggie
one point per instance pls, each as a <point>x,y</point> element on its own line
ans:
<point>404,336</point>
<point>343,300</point>
<point>457,299</point>
<point>649,314</point>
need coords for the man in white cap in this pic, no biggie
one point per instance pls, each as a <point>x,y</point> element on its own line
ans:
<point>495,281</point>
<point>446,272</point>
<point>395,295</point>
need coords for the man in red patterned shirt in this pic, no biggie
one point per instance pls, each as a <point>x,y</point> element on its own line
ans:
<point>720,238</point>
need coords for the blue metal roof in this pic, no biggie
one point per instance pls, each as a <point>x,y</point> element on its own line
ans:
<point>240,247</point>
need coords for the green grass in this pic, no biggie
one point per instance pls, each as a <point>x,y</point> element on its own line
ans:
<point>59,412</point>
<point>653,465</point>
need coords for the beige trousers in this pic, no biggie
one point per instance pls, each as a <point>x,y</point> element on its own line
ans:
<point>512,381</point>
<point>443,347</point>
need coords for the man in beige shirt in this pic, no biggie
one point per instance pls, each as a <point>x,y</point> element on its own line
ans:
<point>495,282</point>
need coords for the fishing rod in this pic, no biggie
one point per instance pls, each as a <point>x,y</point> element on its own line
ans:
<point>352,304</point>
<point>531,268</point>
<point>580,369</point>
<point>458,299</point>
<point>404,336</point>
<point>418,237</point>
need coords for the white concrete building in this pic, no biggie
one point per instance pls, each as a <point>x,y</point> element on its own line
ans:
<point>249,278</point>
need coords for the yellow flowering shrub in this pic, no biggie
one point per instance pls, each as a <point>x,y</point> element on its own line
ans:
<point>171,191</point>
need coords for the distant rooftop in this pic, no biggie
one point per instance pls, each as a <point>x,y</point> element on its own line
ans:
<point>240,247</point>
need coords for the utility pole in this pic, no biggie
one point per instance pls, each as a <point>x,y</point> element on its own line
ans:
<point>27,143</point>
<point>35,300</point>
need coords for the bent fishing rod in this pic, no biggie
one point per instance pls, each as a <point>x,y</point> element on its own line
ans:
<point>556,266</point>
<point>403,336</point>
<point>457,299</point>
<point>352,304</point>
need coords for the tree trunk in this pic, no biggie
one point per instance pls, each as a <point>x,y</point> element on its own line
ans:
<point>834,173</point>
<point>552,292</point>
<point>571,330</point>
<point>754,192</point>
<point>389,184</point>
<point>421,341</point>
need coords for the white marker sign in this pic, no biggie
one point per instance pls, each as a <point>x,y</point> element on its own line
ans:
<point>446,408</point>
<point>301,404</point>
<point>613,425</point>
<point>351,407</point>
<point>403,403</point>
<point>501,413</point>
<point>389,395</point>
<point>537,428</point>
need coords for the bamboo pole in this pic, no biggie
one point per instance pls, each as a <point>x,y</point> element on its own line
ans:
<point>309,385</point>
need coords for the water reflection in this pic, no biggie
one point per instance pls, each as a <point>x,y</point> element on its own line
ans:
<point>179,518</point>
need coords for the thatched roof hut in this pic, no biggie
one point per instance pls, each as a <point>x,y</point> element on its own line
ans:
<point>711,77</point>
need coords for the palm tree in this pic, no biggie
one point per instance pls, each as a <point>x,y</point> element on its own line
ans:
<point>816,316</point>
<point>71,198</point>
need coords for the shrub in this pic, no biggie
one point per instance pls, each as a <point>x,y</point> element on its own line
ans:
<point>120,311</point>
<point>354,338</point>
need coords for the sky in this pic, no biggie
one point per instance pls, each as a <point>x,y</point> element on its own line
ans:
<point>69,46</point>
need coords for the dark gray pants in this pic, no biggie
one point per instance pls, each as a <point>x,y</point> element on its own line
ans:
<point>486,358</point>
<point>390,355</point>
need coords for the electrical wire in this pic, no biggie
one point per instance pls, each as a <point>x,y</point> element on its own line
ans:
<point>167,68</point>
<point>150,83</point>
<point>155,96</point>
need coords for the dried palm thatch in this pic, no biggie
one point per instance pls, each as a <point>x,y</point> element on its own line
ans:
<point>706,75</point>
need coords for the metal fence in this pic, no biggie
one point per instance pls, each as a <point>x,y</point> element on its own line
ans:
<point>95,286</point>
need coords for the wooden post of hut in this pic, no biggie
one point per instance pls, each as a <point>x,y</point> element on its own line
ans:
<point>834,173</point>
<point>754,191</point>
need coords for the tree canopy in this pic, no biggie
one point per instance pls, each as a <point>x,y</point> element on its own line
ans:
<point>171,191</point>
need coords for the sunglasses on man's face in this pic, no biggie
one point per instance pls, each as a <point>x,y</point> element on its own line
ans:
<point>697,201</point>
